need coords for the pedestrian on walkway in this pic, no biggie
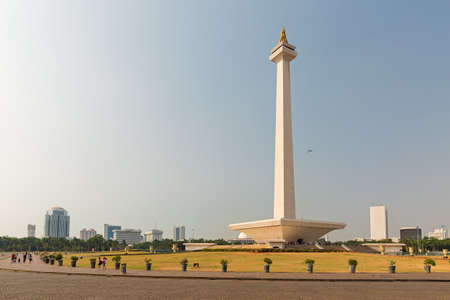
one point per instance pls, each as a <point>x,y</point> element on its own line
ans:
<point>99,262</point>
<point>104,263</point>
<point>30,258</point>
<point>25,257</point>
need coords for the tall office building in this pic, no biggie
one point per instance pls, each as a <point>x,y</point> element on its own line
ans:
<point>108,231</point>
<point>413,233</point>
<point>31,230</point>
<point>153,235</point>
<point>179,233</point>
<point>86,234</point>
<point>57,223</point>
<point>378,222</point>
<point>130,236</point>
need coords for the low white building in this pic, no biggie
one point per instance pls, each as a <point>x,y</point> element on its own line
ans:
<point>197,246</point>
<point>388,248</point>
<point>439,233</point>
<point>153,235</point>
<point>130,236</point>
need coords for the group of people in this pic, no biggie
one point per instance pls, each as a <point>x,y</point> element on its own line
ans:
<point>16,257</point>
<point>102,262</point>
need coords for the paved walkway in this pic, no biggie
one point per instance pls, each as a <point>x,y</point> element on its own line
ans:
<point>53,286</point>
<point>38,266</point>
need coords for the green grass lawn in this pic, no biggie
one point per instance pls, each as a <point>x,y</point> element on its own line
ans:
<point>282,262</point>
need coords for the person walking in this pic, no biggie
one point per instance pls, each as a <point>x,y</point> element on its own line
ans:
<point>99,262</point>
<point>25,257</point>
<point>104,263</point>
<point>30,258</point>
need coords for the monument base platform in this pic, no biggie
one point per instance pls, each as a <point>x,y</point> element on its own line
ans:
<point>284,232</point>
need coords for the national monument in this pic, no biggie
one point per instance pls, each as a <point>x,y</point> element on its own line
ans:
<point>284,230</point>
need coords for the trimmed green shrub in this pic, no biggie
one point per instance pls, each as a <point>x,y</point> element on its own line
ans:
<point>429,262</point>
<point>352,262</point>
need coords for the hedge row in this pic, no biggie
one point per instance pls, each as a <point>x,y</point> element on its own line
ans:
<point>263,250</point>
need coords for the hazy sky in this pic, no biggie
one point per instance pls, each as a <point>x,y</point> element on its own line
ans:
<point>145,114</point>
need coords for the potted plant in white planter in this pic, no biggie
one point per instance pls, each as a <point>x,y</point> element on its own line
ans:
<point>93,261</point>
<point>74,261</point>
<point>148,263</point>
<point>116,260</point>
<point>352,264</point>
<point>183,264</point>
<point>224,264</point>
<point>392,266</point>
<point>59,259</point>
<point>309,264</point>
<point>268,262</point>
<point>427,264</point>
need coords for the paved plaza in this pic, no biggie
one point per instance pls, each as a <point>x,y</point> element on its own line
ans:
<point>41,281</point>
<point>24,285</point>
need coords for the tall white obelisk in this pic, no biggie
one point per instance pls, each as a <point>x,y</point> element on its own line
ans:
<point>284,230</point>
<point>284,190</point>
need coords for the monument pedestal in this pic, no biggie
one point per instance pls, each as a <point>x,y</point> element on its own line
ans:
<point>284,232</point>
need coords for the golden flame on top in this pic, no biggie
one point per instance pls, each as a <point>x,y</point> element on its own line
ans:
<point>283,38</point>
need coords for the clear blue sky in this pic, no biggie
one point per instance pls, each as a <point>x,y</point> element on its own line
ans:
<point>144,113</point>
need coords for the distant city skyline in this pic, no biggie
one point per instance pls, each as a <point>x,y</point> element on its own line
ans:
<point>164,113</point>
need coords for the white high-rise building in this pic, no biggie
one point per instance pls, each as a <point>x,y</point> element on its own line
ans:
<point>130,236</point>
<point>439,233</point>
<point>86,234</point>
<point>57,223</point>
<point>378,222</point>
<point>31,230</point>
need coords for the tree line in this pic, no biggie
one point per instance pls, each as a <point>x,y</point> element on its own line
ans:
<point>58,244</point>
<point>425,244</point>
<point>97,242</point>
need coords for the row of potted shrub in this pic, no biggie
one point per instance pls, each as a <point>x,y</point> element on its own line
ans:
<point>184,262</point>
<point>353,263</point>
<point>50,259</point>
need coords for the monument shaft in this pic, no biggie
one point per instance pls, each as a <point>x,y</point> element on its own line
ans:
<point>284,190</point>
